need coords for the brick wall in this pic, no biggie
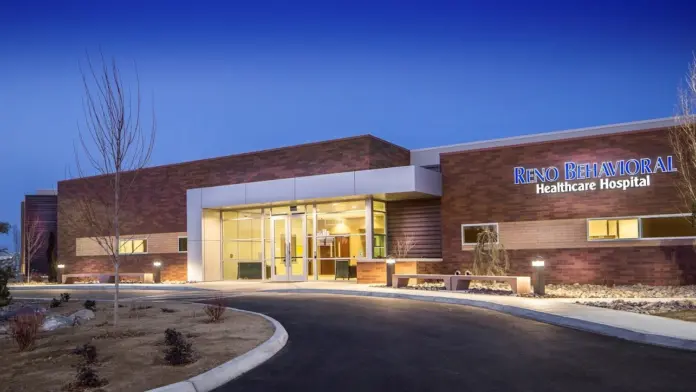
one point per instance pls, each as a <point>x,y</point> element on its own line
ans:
<point>173,265</point>
<point>43,210</point>
<point>478,187</point>
<point>157,200</point>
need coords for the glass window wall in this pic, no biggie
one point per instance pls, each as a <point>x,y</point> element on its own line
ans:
<point>335,236</point>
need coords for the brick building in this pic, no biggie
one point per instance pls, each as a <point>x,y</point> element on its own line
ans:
<point>38,211</point>
<point>598,204</point>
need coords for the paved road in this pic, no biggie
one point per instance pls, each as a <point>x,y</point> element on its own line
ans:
<point>340,343</point>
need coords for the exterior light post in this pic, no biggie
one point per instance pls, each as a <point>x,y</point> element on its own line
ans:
<point>390,270</point>
<point>61,267</point>
<point>538,266</point>
<point>158,271</point>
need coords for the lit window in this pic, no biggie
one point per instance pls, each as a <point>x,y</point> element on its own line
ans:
<point>183,244</point>
<point>612,229</point>
<point>133,246</point>
<point>667,227</point>
<point>379,229</point>
<point>470,233</point>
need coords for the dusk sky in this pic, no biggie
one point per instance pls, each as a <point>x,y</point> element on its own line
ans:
<point>230,77</point>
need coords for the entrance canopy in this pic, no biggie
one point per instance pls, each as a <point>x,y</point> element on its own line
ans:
<point>395,183</point>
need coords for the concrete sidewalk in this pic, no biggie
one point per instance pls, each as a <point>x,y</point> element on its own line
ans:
<point>564,312</point>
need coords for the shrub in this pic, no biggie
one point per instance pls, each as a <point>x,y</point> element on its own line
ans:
<point>24,329</point>
<point>65,297</point>
<point>490,256</point>
<point>87,377</point>
<point>178,351</point>
<point>55,303</point>
<point>90,304</point>
<point>168,310</point>
<point>135,306</point>
<point>215,311</point>
<point>5,276</point>
<point>88,353</point>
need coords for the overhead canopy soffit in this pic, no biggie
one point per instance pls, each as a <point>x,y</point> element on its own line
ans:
<point>403,182</point>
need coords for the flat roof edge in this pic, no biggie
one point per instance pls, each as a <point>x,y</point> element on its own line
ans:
<point>555,135</point>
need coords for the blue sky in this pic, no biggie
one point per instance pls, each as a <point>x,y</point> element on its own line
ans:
<point>229,77</point>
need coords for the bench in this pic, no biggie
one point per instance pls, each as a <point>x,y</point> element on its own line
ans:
<point>519,284</point>
<point>110,278</point>
<point>401,280</point>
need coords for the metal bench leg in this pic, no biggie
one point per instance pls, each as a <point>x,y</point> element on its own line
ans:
<point>462,285</point>
<point>400,282</point>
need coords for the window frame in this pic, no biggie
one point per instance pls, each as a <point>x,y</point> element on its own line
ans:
<point>131,241</point>
<point>640,228</point>
<point>497,230</point>
<point>178,243</point>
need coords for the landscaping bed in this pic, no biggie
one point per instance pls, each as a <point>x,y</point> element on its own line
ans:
<point>681,310</point>
<point>130,356</point>
<point>572,290</point>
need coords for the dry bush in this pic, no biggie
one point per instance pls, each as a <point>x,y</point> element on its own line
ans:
<point>24,329</point>
<point>178,351</point>
<point>215,310</point>
<point>490,257</point>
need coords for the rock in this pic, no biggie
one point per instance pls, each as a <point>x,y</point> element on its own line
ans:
<point>82,315</point>
<point>54,321</point>
<point>19,310</point>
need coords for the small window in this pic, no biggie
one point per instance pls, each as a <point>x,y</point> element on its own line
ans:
<point>470,233</point>
<point>183,244</point>
<point>668,227</point>
<point>379,205</point>
<point>133,246</point>
<point>612,229</point>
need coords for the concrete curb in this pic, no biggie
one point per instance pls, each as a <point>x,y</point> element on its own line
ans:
<point>234,368</point>
<point>108,286</point>
<point>548,318</point>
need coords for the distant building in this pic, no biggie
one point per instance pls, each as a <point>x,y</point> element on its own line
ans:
<point>41,207</point>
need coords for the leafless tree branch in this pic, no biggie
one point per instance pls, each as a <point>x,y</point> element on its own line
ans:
<point>33,241</point>
<point>112,143</point>
<point>683,140</point>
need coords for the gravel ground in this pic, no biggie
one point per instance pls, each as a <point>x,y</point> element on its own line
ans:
<point>574,290</point>
<point>643,306</point>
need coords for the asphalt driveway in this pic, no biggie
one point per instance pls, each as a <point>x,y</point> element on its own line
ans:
<point>342,343</point>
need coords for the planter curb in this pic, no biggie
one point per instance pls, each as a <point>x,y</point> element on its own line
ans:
<point>562,321</point>
<point>234,368</point>
<point>107,287</point>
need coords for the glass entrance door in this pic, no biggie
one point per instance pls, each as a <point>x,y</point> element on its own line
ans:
<point>288,251</point>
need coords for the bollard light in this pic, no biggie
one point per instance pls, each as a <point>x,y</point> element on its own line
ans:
<point>59,278</point>
<point>538,265</point>
<point>158,271</point>
<point>390,270</point>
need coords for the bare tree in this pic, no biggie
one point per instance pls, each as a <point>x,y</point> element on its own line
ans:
<point>404,244</point>
<point>683,140</point>
<point>33,241</point>
<point>490,256</point>
<point>4,229</point>
<point>115,145</point>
